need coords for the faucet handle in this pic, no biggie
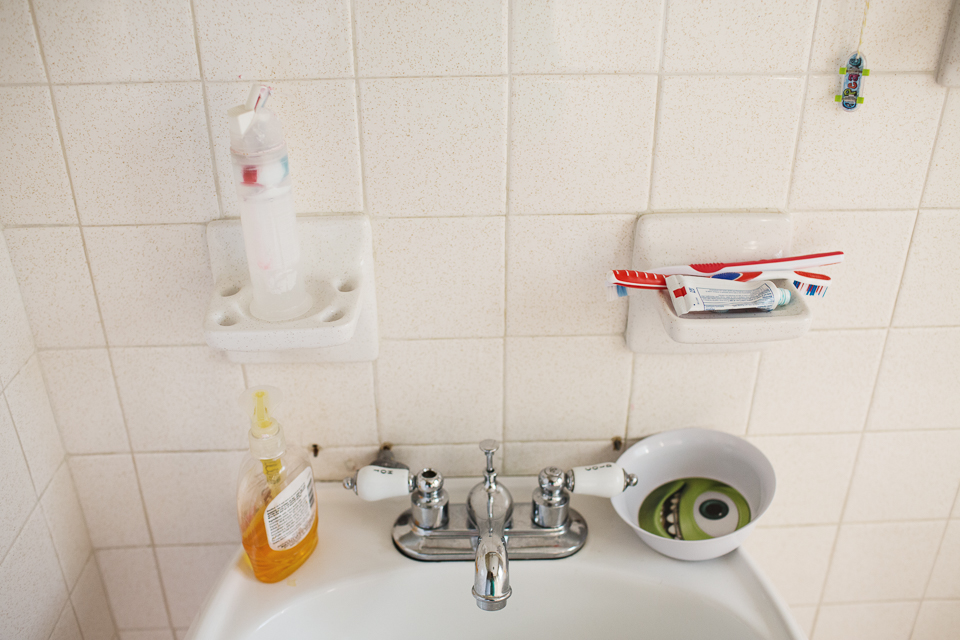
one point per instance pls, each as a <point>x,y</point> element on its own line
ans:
<point>604,480</point>
<point>374,482</point>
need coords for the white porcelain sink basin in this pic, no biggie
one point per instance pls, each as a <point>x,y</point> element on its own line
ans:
<point>357,586</point>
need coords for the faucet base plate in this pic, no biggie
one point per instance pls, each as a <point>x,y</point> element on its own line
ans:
<point>457,541</point>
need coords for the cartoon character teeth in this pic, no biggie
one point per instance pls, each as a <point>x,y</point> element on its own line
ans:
<point>852,85</point>
<point>694,509</point>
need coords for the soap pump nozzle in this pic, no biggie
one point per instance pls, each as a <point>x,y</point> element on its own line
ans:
<point>266,439</point>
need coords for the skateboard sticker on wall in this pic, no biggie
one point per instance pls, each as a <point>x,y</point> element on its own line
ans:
<point>852,86</point>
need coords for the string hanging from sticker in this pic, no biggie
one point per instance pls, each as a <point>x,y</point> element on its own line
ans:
<point>863,25</point>
<point>851,87</point>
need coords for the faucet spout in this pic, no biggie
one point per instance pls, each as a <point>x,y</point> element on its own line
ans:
<point>490,507</point>
<point>491,585</point>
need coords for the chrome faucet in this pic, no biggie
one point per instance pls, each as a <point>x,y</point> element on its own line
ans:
<point>488,525</point>
<point>490,508</point>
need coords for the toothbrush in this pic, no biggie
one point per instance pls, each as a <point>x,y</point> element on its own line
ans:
<point>707,270</point>
<point>622,282</point>
<point>653,279</point>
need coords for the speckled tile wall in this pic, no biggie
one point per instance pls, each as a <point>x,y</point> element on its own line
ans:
<point>504,150</point>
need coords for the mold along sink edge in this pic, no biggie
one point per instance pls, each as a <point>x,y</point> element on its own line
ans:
<point>357,585</point>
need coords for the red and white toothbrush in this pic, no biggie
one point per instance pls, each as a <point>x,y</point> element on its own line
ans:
<point>814,284</point>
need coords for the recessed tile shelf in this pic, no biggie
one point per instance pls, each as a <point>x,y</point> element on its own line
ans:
<point>664,239</point>
<point>337,259</point>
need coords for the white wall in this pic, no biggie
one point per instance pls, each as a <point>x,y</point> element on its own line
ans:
<point>504,152</point>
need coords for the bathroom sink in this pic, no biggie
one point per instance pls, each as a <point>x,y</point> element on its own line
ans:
<point>357,586</point>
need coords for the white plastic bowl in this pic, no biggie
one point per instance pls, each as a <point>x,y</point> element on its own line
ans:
<point>696,453</point>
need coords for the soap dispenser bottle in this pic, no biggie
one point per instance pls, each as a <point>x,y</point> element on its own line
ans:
<point>276,504</point>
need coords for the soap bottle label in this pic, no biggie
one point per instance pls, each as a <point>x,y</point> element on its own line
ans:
<point>289,517</point>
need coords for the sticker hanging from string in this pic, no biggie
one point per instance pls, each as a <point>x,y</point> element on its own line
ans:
<point>851,87</point>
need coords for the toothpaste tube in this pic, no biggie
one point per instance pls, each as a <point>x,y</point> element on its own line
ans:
<point>692,293</point>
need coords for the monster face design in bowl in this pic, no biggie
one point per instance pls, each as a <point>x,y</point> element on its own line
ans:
<point>693,509</point>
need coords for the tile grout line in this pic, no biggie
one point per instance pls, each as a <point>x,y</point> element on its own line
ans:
<point>365,202</point>
<point>926,586</point>
<point>665,9</point>
<point>206,109</point>
<point>35,354</point>
<point>853,475</point>
<point>753,395</point>
<point>508,154</point>
<point>919,207</point>
<point>677,74</point>
<point>36,498</point>
<point>793,171</point>
<point>645,211</point>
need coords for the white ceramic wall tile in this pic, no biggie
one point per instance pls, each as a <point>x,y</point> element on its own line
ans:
<point>864,287</point>
<point>567,36</point>
<point>147,634</point>
<point>554,263</point>
<point>180,398</point>
<point>945,580</point>
<point>887,142</point>
<point>581,144</point>
<point>55,284</point>
<point>188,573</point>
<point>724,383</point>
<point>36,426</point>
<point>153,283</point>
<point>138,153</point>
<point>881,621</point>
<point>83,395</point>
<point>942,188</point>
<point>435,146</point>
<point>412,38</point>
<point>440,278</point>
<point>335,464</point>
<point>90,604</point>
<point>31,610</point>
<point>118,41</point>
<point>294,39</point>
<point>819,383</point>
<point>452,460</point>
<point>19,497</point>
<point>794,558</point>
<point>319,122</point>
<point>34,188</point>
<point>744,37</point>
<point>133,587</point>
<point>937,620</point>
<point>528,458</point>
<point>16,347</point>
<point>893,469</point>
<point>813,475</point>
<point>191,498</point>
<point>916,388</point>
<point>899,36</point>
<point>931,264</point>
<point>327,404</point>
<point>719,147</point>
<point>566,388</point>
<point>20,56</point>
<point>109,493</point>
<point>61,508</point>
<point>67,627</point>
<point>888,561</point>
<point>432,391</point>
